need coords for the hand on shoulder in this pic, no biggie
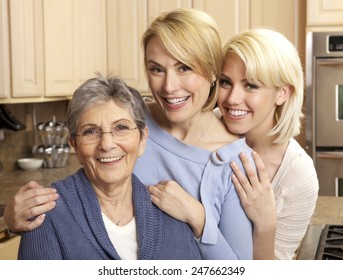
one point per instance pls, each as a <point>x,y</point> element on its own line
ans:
<point>31,200</point>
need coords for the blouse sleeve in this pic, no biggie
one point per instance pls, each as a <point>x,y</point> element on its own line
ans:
<point>296,195</point>
<point>228,231</point>
<point>234,233</point>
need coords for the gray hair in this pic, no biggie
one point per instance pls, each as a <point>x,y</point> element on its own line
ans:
<point>100,90</point>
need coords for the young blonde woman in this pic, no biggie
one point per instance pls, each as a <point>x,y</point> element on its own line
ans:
<point>261,98</point>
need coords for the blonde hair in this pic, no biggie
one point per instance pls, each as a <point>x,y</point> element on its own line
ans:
<point>191,37</point>
<point>270,58</point>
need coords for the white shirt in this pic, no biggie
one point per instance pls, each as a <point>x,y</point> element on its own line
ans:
<point>124,239</point>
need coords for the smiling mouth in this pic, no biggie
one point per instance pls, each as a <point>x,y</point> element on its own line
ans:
<point>110,159</point>
<point>176,101</point>
<point>238,113</point>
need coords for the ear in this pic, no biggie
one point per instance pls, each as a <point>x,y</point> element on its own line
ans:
<point>142,143</point>
<point>72,142</point>
<point>283,94</point>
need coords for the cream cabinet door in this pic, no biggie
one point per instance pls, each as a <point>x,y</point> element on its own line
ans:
<point>287,17</point>
<point>5,89</point>
<point>155,7</point>
<point>325,12</point>
<point>231,16</point>
<point>26,48</point>
<point>126,22</point>
<point>9,249</point>
<point>74,43</point>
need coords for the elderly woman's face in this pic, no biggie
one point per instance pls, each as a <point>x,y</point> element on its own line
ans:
<point>108,159</point>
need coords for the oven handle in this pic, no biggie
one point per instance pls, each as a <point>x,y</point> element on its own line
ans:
<point>330,61</point>
<point>330,155</point>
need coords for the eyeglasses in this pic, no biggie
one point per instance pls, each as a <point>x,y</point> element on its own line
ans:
<point>92,135</point>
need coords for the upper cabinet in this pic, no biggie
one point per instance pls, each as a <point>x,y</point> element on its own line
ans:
<point>27,53</point>
<point>322,13</point>
<point>5,89</point>
<point>55,45</point>
<point>287,17</point>
<point>49,47</point>
<point>74,43</point>
<point>127,20</point>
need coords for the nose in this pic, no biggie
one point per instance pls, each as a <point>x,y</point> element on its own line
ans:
<point>171,82</point>
<point>107,141</point>
<point>235,95</point>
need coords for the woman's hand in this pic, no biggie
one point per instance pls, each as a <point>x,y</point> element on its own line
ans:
<point>31,200</point>
<point>258,200</point>
<point>172,199</point>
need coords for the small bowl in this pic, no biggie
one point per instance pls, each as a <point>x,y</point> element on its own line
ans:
<point>30,163</point>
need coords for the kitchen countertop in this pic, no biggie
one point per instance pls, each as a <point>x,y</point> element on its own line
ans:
<point>329,210</point>
<point>11,181</point>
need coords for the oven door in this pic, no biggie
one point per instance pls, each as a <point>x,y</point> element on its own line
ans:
<point>329,102</point>
<point>329,166</point>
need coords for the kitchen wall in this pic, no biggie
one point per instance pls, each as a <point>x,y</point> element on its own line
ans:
<point>18,144</point>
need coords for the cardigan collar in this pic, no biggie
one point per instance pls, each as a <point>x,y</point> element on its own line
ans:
<point>84,205</point>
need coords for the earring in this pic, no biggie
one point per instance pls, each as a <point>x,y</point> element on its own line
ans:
<point>213,84</point>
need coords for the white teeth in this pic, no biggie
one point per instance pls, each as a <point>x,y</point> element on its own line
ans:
<point>237,113</point>
<point>111,159</point>
<point>176,100</point>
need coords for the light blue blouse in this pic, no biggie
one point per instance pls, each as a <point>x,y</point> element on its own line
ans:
<point>228,231</point>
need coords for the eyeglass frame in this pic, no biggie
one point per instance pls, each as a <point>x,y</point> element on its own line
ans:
<point>101,132</point>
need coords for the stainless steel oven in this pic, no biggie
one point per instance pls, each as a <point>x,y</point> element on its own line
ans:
<point>324,108</point>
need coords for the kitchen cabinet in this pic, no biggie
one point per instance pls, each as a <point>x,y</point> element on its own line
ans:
<point>4,51</point>
<point>49,47</point>
<point>325,13</point>
<point>9,248</point>
<point>231,16</point>
<point>74,43</point>
<point>55,45</point>
<point>127,21</point>
<point>287,17</point>
<point>26,42</point>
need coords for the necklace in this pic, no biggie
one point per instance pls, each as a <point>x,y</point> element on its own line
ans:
<point>111,214</point>
<point>123,220</point>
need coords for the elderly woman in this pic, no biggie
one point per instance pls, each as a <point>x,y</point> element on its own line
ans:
<point>104,211</point>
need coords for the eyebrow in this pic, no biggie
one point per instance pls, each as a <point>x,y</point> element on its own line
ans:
<point>227,77</point>
<point>156,63</point>
<point>113,123</point>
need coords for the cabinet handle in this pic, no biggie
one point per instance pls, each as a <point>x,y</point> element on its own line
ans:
<point>330,61</point>
<point>330,155</point>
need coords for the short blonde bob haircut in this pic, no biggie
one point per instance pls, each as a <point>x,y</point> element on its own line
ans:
<point>271,59</point>
<point>191,37</point>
